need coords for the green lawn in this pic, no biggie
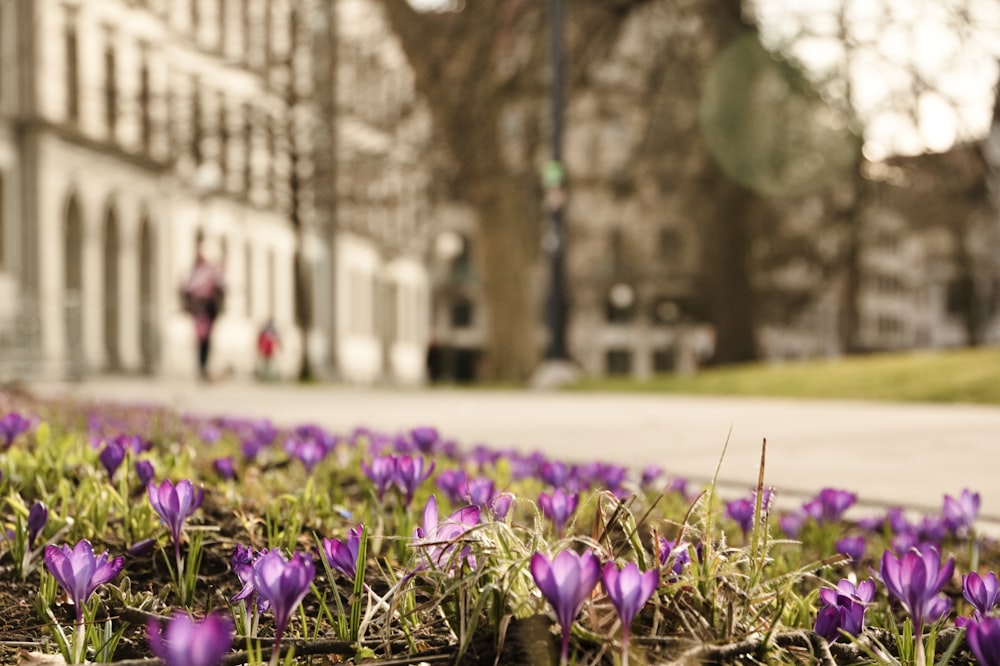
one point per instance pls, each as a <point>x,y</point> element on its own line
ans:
<point>970,376</point>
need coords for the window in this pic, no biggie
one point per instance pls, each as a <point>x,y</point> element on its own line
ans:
<point>197,131</point>
<point>247,150</point>
<point>248,278</point>
<point>223,134</point>
<point>72,70</point>
<point>170,116</point>
<point>462,313</point>
<point>617,244</point>
<point>2,230</point>
<point>110,89</point>
<point>268,37</point>
<point>670,246</point>
<point>271,277</point>
<point>247,26</point>
<point>145,122</point>
<point>618,362</point>
<point>461,265</point>
<point>221,23</point>
<point>272,171</point>
<point>663,360</point>
<point>195,18</point>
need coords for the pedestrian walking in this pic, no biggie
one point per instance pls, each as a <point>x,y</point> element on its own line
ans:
<point>203,293</point>
<point>268,342</point>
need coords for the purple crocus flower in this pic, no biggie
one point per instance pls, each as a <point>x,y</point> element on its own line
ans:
<point>134,443</point>
<point>283,584</point>
<point>674,556</point>
<point>306,450</point>
<point>187,642</point>
<point>554,473</point>
<point>439,538</point>
<point>145,471</point>
<point>933,529</point>
<point>649,475</point>
<point>852,546</point>
<point>242,562</point>
<point>501,505</point>
<point>898,521</point>
<point>981,591</point>
<point>454,483</point>
<point>566,582</point>
<point>481,491</point>
<point>844,609</point>
<point>425,438</point>
<point>79,572</point>
<point>629,590</point>
<point>382,473</point>
<point>174,504</point>
<point>225,468</point>
<point>741,510</point>
<point>342,556</point>
<point>679,486</point>
<point>984,640</point>
<point>558,506</point>
<point>111,457</point>
<point>38,516</point>
<point>210,434</point>
<point>916,579</point>
<point>792,523</point>
<point>410,473</point>
<point>11,426</point>
<point>829,505</point>
<point>960,514</point>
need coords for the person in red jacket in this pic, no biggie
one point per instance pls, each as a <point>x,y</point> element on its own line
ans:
<point>268,342</point>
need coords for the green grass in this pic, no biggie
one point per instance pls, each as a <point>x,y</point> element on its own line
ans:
<point>967,376</point>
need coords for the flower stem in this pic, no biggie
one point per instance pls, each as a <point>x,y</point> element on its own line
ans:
<point>921,656</point>
<point>276,648</point>
<point>79,634</point>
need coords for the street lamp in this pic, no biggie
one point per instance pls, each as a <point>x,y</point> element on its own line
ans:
<point>554,180</point>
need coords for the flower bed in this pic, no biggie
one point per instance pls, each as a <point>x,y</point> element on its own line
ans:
<point>134,534</point>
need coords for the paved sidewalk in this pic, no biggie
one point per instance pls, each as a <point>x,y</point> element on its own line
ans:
<point>909,454</point>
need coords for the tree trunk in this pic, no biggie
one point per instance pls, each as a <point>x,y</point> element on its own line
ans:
<point>729,287</point>
<point>509,233</point>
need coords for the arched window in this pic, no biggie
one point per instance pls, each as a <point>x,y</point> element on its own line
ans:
<point>73,286</point>
<point>110,87</point>
<point>145,120</point>
<point>111,290</point>
<point>147,296</point>
<point>72,68</point>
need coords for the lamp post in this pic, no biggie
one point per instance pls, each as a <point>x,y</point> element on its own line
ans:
<point>554,180</point>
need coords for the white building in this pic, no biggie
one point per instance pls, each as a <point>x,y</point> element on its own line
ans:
<point>128,127</point>
<point>381,239</point>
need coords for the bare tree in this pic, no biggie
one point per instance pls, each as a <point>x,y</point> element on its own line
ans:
<point>908,77</point>
<point>472,65</point>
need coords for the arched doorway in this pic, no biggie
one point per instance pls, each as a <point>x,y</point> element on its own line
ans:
<point>73,289</point>
<point>148,343</point>
<point>111,292</point>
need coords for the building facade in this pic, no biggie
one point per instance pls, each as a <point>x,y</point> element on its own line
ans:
<point>128,129</point>
<point>381,282</point>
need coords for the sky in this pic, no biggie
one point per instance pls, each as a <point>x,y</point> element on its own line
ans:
<point>921,74</point>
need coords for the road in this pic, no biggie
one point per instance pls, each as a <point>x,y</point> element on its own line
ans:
<point>909,454</point>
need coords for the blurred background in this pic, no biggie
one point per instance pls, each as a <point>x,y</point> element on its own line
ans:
<point>448,191</point>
